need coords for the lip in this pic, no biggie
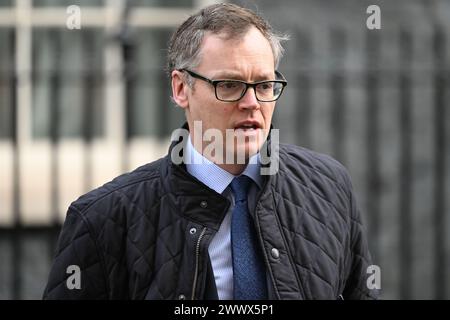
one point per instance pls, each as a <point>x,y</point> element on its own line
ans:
<point>253,123</point>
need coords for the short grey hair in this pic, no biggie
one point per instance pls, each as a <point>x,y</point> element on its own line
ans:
<point>234,21</point>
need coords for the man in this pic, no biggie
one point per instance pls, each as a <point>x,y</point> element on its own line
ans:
<point>210,223</point>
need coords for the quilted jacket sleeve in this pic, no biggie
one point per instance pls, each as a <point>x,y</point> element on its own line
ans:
<point>78,270</point>
<point>357,286</point>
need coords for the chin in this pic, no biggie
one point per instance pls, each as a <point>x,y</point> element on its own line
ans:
<point>245,151</point>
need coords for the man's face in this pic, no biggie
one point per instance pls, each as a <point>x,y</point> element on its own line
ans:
<point>249,59</point>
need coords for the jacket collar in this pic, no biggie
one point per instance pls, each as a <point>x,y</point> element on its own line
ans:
<point>196,201</point>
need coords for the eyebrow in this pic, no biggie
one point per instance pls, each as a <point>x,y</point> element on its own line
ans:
<point>237,76</point>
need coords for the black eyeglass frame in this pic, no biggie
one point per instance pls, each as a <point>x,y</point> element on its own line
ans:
<point>253,85</point>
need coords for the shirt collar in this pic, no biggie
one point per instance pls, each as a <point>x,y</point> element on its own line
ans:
<point>214,176</point>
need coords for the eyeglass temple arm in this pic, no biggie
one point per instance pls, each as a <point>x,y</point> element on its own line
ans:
<point>195,75</point>
<point>279,76</point>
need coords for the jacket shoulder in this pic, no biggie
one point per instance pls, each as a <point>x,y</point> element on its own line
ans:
<point>94,230</point>
<point>296,160</point>
<point>147,176</point>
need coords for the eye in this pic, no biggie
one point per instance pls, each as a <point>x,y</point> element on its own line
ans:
<point>228,84</point>
<point>266,86</point>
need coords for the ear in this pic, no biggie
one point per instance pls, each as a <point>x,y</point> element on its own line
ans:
<point>179,89</point>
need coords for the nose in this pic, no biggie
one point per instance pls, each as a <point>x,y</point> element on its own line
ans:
<point>249,101</point>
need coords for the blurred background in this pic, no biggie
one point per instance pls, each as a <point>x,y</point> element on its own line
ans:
<point>80,106</point>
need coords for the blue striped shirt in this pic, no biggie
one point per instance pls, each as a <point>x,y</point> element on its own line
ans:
<point>219,180</point>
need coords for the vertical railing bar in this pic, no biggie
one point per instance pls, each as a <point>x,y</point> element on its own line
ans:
<point>164,114</point>
<point>405,165</point>
<point>373,144</point>
<point>303,110</point>
<point>16,194</point>
<point>88,107</point>
<point>127,45</point>
<point>55,119</point>
<point>337,101</point>
<point>129,77</point>
<point>304,113</point>
<point>439,85</point>
<point>54,132</point>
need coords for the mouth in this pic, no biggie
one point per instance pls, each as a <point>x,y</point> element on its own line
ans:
<point>247,126</point>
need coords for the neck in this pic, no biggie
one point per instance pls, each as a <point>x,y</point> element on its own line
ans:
<point>234,169</point>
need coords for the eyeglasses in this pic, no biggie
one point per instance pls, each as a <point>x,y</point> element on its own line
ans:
<point>234,90</point>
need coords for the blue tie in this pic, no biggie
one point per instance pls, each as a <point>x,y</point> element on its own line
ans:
<point>248,267</point>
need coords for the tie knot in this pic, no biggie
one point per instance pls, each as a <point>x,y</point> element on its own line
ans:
<point>240,187</point>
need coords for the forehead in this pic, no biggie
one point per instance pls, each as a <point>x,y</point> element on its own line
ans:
<point>249,53</point>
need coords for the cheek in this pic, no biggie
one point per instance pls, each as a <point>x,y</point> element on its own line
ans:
<point>224,111</point>
<point>214,115</point>
<point>267,114</point>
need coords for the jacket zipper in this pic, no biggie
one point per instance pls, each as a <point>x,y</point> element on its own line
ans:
<point>197,255</point>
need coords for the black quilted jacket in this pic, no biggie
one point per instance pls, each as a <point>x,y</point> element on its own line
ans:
<point>145,235</point>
